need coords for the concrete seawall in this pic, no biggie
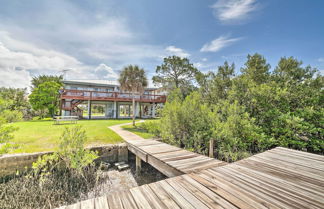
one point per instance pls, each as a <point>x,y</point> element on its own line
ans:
<point>11,163</point>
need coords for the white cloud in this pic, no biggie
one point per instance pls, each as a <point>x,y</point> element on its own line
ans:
<point>233,10</point>
<point>321,59</point>
<point>218,44</point>
<point>177,51</point>
<point>106,72</point>
<point>19,61</point>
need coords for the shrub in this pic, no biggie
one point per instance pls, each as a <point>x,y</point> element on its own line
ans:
<point>71,153</point>
<point>62,178</point>
<point>5,137</point>
<point>152,127</point>
<point>12,115</point>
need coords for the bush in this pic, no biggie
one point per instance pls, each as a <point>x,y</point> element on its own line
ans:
<point>12,115</point>
<point>62,178</point>
<point>152,127</point>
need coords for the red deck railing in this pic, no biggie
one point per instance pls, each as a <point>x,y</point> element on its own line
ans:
<point>110,96</point>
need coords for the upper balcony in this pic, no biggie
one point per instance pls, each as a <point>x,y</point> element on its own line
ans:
<point>110,96</point>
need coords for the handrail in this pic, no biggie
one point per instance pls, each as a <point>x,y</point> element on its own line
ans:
<point>102,95</point>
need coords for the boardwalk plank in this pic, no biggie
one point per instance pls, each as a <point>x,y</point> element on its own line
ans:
<point>127,200</point>
<point>101,202</point>
<point>280,190</point>
<point>186,194</point>
<point>114,201</point>
<point>164,197</point>
<point>303,154</point>
<point>139,198</point>
<point>262,191</point>
<point>74,206</point>
<point>153,200</point>
<point>215,197</point>
<point>87,204</point>
<point>235,199</point>
<point>181,201</point>
<point>284,172</point>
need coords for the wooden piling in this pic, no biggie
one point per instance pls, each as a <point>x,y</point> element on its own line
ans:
<point>138,164</point>
<point>211,148</point>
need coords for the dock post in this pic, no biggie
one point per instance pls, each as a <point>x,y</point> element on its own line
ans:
<point>211,148</point>
<point>138,165</point>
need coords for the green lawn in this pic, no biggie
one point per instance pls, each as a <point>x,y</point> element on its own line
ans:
<point>38,136</point>
<point>138,131</point>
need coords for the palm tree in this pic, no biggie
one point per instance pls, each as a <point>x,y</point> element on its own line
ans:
<point>133,79</point>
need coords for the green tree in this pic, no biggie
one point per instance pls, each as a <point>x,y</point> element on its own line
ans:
<point>46,96</point>
<point>6,134</point>
<point>14,104</point>
<point>175,72</point>
<point>216,86</point>
<point>133,79</point>
<point>256,68</point>
<point>38,80</point>
<point>235,132</point>
<point>251,112</point>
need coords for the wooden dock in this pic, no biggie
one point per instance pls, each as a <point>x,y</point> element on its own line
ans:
<point>169,160</point>
<point>278,178</point>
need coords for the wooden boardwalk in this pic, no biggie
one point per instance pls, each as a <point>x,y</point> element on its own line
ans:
<point>278,178</point>
<point>169,160</point>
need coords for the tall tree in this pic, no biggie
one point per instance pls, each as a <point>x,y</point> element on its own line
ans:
<point>45,96</point>
<point>37,80</point>
<point>215,86</point>
<point>175,72</point>
<point>133,79</point>
<point>290,69</point>
<point>256,68</point>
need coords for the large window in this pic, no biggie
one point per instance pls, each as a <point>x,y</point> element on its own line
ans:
<point>125,110</point>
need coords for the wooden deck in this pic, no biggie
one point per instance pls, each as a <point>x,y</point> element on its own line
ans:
<point>169,160</point>
<point>279,178</point>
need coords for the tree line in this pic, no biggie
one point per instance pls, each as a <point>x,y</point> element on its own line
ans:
<point>244,113</point>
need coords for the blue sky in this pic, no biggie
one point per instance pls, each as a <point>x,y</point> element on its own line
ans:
<point>94,39</point>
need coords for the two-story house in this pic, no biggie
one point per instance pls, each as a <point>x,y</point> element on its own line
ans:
<point>104,99</point>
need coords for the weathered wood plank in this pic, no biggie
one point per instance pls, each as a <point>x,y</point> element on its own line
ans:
<point>139,198</point>
<point>87,204</point>
<point>280,190</point>
<point>101,202</point>
<point>215,197</point>
<point>138,152</point>
<point>114,201</point>
<point>163,196</point>
<point>289,173</point>
<point>273,198</point>
<point>127,200</point>
<point>153,200</point>
<point>186,194</point>
<point>182,202</point>
<point>163,167</point>
<point>74,206</point>
<point>303,154</point>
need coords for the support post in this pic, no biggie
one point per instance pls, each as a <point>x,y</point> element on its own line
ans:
<point>153,110</point>
<point>211,148</point>
<point>138,164</point>
<point>89,109</point>
<point>115,109</point>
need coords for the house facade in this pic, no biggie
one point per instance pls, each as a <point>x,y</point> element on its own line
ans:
<point>104,99</point>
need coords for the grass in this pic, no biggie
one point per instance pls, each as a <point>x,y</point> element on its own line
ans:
<point>138,131</point>
<point>39,136</point>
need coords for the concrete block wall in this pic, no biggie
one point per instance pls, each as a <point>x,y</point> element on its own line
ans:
<point>11,163</point>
